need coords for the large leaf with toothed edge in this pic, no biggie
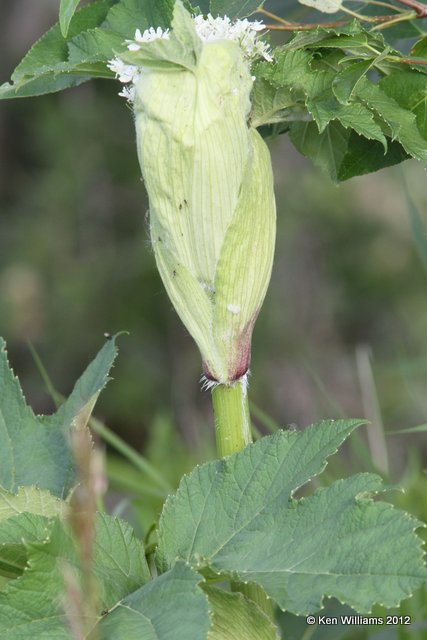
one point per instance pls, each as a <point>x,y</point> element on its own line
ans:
<point>35,449</point>
<point>118,568</point>
<point>79,45</point>
<point>336,542</point>
<point>171,607</point>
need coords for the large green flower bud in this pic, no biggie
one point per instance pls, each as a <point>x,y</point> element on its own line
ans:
<point>209,180</point>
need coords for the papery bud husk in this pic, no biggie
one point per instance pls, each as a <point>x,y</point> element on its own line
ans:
<point>210,185</point>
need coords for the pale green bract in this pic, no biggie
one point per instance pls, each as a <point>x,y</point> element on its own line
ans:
<point>209,180</point>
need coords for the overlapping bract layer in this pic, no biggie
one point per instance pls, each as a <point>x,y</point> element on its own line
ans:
<point>209,180</point>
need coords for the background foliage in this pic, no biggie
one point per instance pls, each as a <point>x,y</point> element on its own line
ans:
<point>349,280</point>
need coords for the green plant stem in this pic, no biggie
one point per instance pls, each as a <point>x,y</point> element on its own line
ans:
<point>233,433</point>
<point>232,419</point>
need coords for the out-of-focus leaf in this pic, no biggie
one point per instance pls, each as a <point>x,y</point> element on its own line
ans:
<point>171,607</point>
<point>421,428</point>
<point>118,567</point>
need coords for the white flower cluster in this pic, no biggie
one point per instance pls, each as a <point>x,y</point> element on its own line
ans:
<point>148,36</point>
<point>242,31</point>
<point>129,73</point>
<point>208,29</point>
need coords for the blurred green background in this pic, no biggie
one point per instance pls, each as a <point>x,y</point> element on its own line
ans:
<point>343,331</point>
<point>75,261</point>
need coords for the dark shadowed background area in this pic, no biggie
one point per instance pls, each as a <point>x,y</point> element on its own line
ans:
<point>344,327</point>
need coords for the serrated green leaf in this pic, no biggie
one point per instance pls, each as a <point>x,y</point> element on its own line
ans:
<point>345,83</point>
<point>290,68</point>
<point>303,39</point>
<point>181,48</point>
<point>327,149</point>
<point>295,457</point>
<point>67,8</point>
<point>95,34</point>
<point>90,46</point>
<point>336,542</point>
<point>129,15</point>
<point>419,50</point>
<point>350,43</point>
<point>171,607</point>
<point>30,500</point>
<point>405,30</point>
<point>325,108</point>
<point>343,544</point>
<point>237,618</point>
<point>118,566</point>
<point>235,8</point>
<point>402,122</point>
<point>341,153</point>
<point>51,51</point>
<point>15,533</point>
<point>365,156</point>
<point>24,517</point>
<point>45,68</point>
<point>269,104</point>
<point>300,72</point>
<point>414,96</point>
<point>40,86</point>
<point>35,449</point>
<point>347,80</point>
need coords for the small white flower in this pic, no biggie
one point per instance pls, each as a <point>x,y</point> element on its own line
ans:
<point>124,72</point>
<point>128,93</point>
